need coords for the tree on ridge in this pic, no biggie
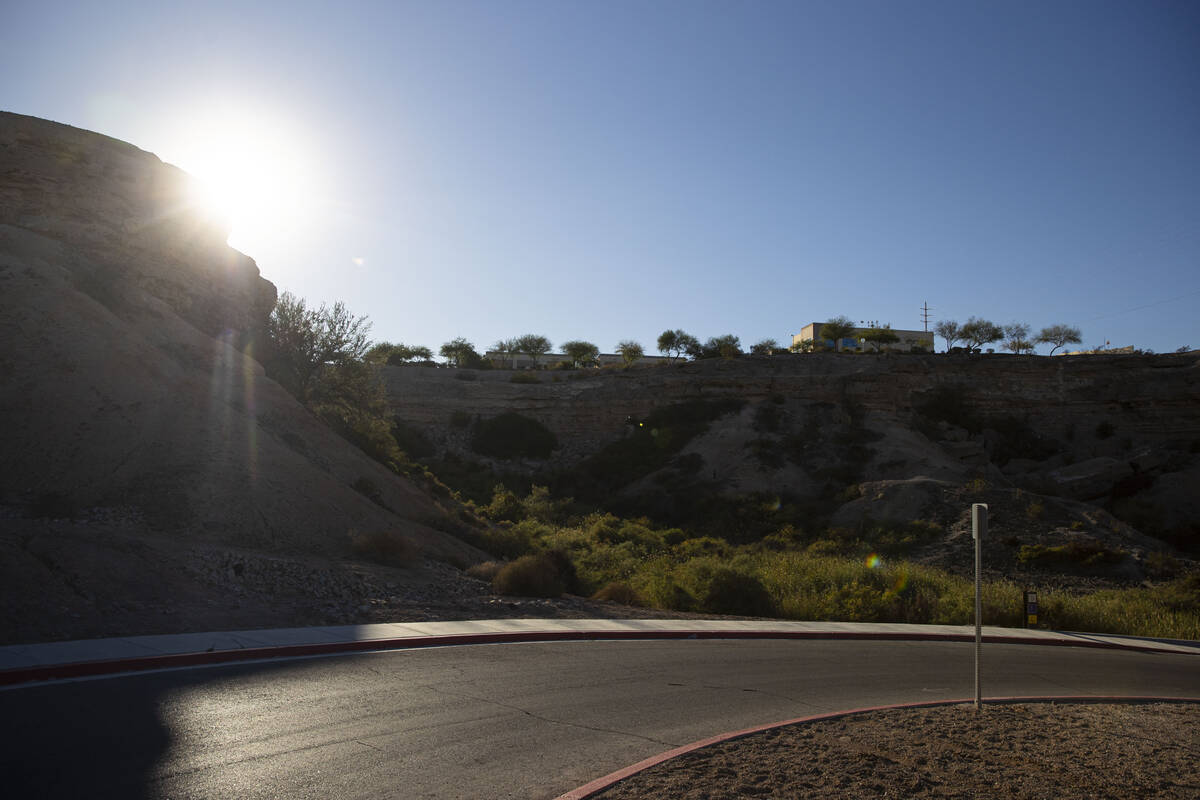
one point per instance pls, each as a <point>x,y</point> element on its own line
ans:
<point>1059,336</point>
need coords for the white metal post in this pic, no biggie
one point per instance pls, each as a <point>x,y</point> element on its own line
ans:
<point>979,517</point>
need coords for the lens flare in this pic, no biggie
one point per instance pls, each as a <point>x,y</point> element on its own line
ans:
<point>874,561</point>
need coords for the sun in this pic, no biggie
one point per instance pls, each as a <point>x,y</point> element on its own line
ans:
<point>251,171</point>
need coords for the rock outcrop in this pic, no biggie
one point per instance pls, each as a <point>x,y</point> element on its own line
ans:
<point>123,381</point>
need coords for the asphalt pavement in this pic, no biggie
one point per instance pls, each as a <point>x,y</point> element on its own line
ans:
<point>517,720</point>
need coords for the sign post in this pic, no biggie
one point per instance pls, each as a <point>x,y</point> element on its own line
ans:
<point>1031,608</point>
<point>979,516</point>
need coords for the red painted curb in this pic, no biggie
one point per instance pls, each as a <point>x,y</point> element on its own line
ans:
<point>600,784</point>
<point>83,669</point>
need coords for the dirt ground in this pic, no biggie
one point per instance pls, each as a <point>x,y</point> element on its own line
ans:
<point>1036,751</point>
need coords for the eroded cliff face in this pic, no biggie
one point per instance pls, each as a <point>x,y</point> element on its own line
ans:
<point>1130,400</point>
<point>860,437</point>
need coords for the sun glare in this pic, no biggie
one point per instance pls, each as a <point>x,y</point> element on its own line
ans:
<point>253,173</point>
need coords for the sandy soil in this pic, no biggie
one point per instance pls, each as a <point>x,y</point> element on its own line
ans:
<point>1028,751</point>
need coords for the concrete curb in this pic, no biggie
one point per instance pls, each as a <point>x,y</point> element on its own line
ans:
<point>99,667</point>
<point>606,782</point>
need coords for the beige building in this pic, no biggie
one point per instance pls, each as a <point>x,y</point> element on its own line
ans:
<point>855,343</point>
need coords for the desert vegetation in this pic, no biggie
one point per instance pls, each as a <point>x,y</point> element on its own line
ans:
<point>830,574</point>
<point>681,543</point>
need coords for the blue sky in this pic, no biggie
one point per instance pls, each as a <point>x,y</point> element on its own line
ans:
<point>608,170</point>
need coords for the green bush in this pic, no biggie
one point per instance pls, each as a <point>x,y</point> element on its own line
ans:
<point>525,377</point>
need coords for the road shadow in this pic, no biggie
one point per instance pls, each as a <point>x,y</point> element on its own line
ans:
<point>104,737</point>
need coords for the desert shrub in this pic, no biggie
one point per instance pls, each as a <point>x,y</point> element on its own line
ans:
<point>529,576</point>
<point>702,546</point>
<point>525,377</point>
<point>511,435</point>
<point>609,529</point>
<point>729,591</point>
<point>485,570</point>
<point>621,593</point>
<point>659,585</point>
<point>598,565</point>
<point>465,375</point>
<point>384,547</point>
<point>460,419</point>
<point>504,540</point>
<point>546,574</point>
<point>1035,510</point>
<point>540,505</point>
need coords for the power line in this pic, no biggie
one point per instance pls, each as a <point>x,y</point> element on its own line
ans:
<point>1147,305</point>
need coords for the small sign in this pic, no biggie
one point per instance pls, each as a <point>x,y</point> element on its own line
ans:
<point>1031,608</point>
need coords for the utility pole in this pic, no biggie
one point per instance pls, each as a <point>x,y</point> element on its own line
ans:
<point>979,521</point>
<point>925,314</point>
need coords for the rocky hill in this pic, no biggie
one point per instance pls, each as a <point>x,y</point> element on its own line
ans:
<point>152,477</point>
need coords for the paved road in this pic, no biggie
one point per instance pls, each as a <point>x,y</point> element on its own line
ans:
<point>490,721</point>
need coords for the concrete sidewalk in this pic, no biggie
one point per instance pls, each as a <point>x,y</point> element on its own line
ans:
<point>31,662</point>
